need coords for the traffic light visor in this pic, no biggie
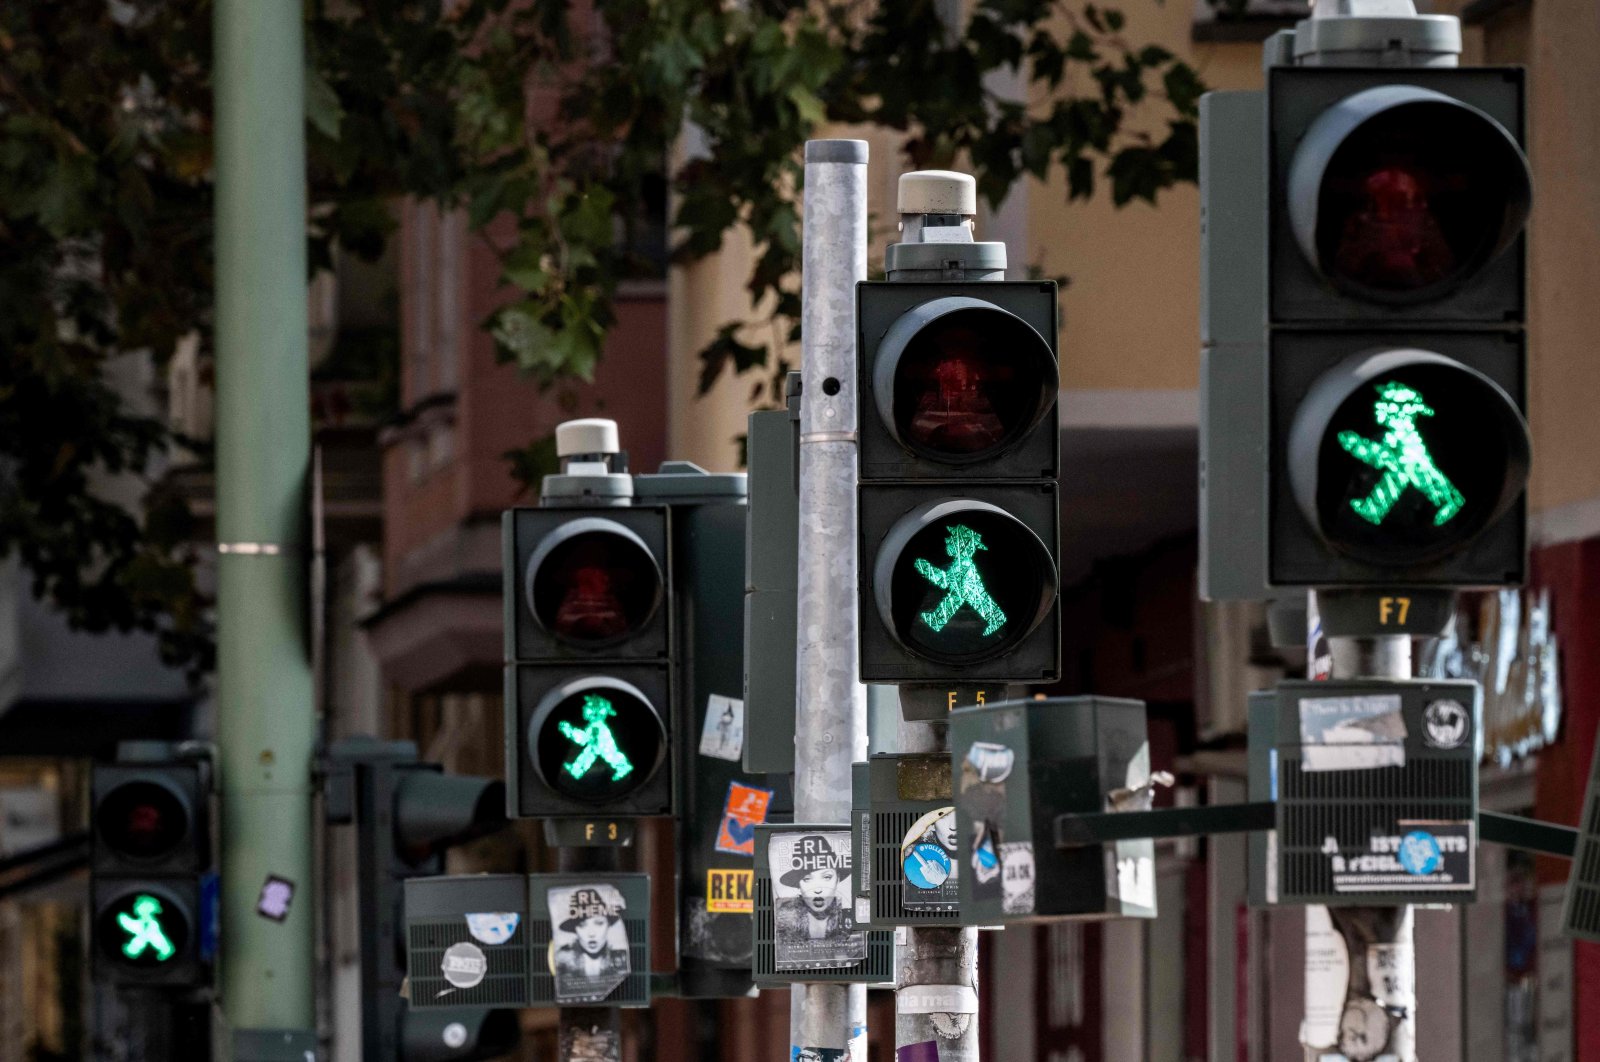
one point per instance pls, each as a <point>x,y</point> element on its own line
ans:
<point>596,739</point>
<point>1401,457</point>
<point>593,582</point>
<point>142,820</point>
<point>962,581</point>
<point>144,927</point>
<point>1400,194</point>
<point>958,380</point>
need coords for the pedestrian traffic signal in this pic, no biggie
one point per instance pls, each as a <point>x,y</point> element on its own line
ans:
<point>959,449</point>
<point>406,814</point>
<point>588,640</point>
<point>1399,450</point>
<point>151,856</point>
<point>1362,414</point>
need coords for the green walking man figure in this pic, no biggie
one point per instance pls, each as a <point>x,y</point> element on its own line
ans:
<point>144,930</point>
<point>1402,456</point>
<point>962,580</point>
<point>597,740</point>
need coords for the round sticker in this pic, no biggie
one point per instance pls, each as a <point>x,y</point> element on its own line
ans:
<point>927,865</point>
<point>1446,723</point>
<point>1419,853</point>
<point>464,965</point>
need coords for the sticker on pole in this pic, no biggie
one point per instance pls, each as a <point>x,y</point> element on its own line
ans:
<point>493,927</point>
<point>276,895</point>
<point>722,736</point>
<point>730,891</point>
<point>928,860</point>
<point>464,965</point>
<point>1418,857</point>
<point>744,809</point>
<point>1352,733</point>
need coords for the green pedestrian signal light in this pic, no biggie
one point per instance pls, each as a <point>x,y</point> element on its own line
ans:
<point>596,739</point>
<point>961,581</point>
<point>1403,457</point>
<point>598,742</point>
<point>144,931</point>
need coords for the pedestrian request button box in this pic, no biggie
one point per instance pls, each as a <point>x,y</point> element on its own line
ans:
<point>1017,766</point>
<point>904,834</point>
<point>805,921</point>
<point>1376,786</point>
<point>467,941</point>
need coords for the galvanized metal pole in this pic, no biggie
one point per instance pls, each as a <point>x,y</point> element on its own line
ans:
<point>936,968</point>
<point>265,718</point>
<point>831,708</point>
<point>1371,1010</point>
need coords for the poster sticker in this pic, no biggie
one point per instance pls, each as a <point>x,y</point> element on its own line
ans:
<point>990,762</point>
<point>1352,733</point>
<point>815,926</point>
<point>818,1054</point>
<point>1419,857</point>
<point>744,810</point>
<point>985,860</point>
<point>493,928</point>
<point>589,947</point>
<point>722,736</point>
<point>928,858</point>
<point>730,891</point>
<point>276,896</point>
<point>1017,884</point>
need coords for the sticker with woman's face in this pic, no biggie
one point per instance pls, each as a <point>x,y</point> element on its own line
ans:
<point>589,953</point>
<point>811,909</point>
<point>928,860</point>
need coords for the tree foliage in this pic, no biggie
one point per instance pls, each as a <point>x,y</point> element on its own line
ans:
<point>548,122</point>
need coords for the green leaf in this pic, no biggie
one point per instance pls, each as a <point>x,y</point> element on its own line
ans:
<point>323,109</point>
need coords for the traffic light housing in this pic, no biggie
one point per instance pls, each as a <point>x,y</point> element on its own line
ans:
<point>151,864</point>
<point>406,813</point>
<point>1399,449</point>
<point>959,449</point>
<point>1363,314</point>
<point>588,630</point>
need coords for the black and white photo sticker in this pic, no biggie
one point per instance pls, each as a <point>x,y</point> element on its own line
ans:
<point>589,953</point>
<point>814,926</point>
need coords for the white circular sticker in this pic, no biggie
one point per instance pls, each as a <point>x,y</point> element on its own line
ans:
<point>455,1035</point>
<point>1447,724</point>
<point>464,965</point>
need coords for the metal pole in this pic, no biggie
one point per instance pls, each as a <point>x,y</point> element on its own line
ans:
<point>831,708</point>
<point>265,723</point>
<point>588,1034</point>
<point>936,968</point>
<point>1373,1010</point>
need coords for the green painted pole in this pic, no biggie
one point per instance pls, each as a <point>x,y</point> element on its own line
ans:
<point>265,715</point>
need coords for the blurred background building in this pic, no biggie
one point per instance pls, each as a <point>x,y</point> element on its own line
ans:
<point>414,419</point>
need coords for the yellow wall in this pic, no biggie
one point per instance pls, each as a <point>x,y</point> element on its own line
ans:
<point>1131,312</point>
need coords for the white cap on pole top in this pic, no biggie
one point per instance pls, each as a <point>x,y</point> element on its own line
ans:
<point>938,192</point>
<point>590,435</point>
